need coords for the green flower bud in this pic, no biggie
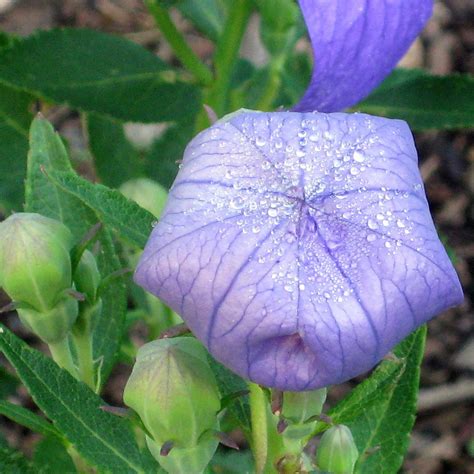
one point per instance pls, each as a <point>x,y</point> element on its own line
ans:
<point>299,407</point>
<point>87,276</point>
<point>35,265</point>
<point>175,394</point>
<point>51,325</point>
<point>146,193</point>
<point>337,452</point>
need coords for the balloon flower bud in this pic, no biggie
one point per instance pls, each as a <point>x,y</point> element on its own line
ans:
<point>87,276</point>
<point>175,394</point>
<point>146,193</point>
<point>35,266</point>
<point>337,452</point>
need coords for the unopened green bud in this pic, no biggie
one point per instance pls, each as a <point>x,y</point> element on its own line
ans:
<point>175,394</point>
<point>146,193</point>
<point>299,407</point>
<point>51,325</point>
<point>337,452</point>
<point>87,276</point>
<point>35,265</point>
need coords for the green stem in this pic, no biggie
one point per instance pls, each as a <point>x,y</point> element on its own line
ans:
<point>273,84</point>
<point>85,361</point>
<point>227,52</point>
<point>176,40</point>
<point>258,416</point>
<point>61,354</point>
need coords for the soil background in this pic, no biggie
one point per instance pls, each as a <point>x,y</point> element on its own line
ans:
<point>443,438</point>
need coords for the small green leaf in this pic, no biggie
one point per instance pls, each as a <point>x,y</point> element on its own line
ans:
<point>47,153</point>
<point>50,456</point>
<point>132,222</point>
<point>14,462</point>
<point>104,440</point>
<point>115,158</point>
<point>423,100</point>
<point>27,418</point>
<point>381,410</point>
<point>98,72</point>
<point>14,122</point>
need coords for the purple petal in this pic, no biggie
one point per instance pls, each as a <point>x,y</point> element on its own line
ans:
<point>299,247</point>
<point>356,43</point>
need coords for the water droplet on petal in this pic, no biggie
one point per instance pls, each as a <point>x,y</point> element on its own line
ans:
<point>272,212</point>
<point>371,237</point>
<point>371,224</point>
<point>260,141</point>
<point>358,156</point>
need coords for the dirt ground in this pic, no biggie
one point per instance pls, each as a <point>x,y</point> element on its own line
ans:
<point>443,439</point>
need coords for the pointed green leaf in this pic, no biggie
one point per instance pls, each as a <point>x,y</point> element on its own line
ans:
<point>132,222</point>
<point>104,440</point>
<point>27,418</point>
<point>97,72</point>
<point>381,410</point>
<point>423,100</point>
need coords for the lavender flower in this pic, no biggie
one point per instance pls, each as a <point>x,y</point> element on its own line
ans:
<point>299,247</point>
<point>356,44</point>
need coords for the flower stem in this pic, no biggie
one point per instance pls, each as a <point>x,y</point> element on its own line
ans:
<point>226,54</point>
<point>176,40</point>
<point>258,416</point>
<point>61,353</point>
<point>273,84</point>
<point>83,344</point>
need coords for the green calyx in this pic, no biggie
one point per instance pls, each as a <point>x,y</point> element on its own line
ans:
<point>337,452</point>
<point>35,265</point>
<point>51,325</point>
<point>174,391</point>
<point>299,407</point>
<point>180,460</point>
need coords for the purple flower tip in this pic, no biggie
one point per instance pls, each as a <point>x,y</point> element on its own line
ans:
<point>356,44</point>
<point>299,247</point>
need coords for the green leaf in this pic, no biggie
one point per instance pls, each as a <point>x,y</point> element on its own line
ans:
<point>14,462</point>
<point>132,222</point>
<point>104,440</point>
<point>50,456</point>
<point>14,122</point>
<point>115,158</point>
<point>381,410</point>
<point>47,153</point>
<point>423,100</point>
<point>163,158</point>
<point>97,72</point>
<point>27,418</point>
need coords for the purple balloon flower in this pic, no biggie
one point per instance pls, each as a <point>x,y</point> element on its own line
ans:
<point>299,247</point>
<point>356,44</point>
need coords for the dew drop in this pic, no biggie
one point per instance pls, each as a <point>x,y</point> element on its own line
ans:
<point>154,223</point>
<point>337,163</point>
<point>371,224</point>
<point>327,295</point>
<point>260,141</point>
<point>278,143</point>
<point>388,244</point>
<point>400,224</point>
<point>237,203</point>
<point>358,156</point>
<point>371,237</point>
<point>272,212</point>
<point>288,288</point>
<point>354,171</point>
<point>256,229</point>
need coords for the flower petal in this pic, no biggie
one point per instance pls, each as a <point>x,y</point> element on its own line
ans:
<point>356,43</point>
<point>299,247</point>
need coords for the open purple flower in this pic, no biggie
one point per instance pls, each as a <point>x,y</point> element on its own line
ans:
<point>356,44</point>
<point>299,247</point>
